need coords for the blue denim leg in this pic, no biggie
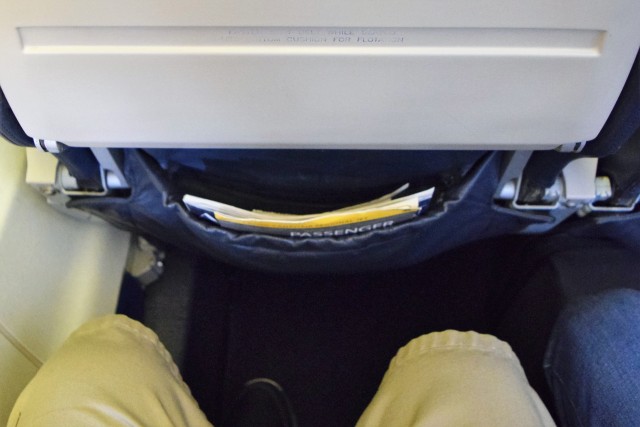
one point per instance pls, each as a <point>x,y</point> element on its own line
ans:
<point>592,362</point>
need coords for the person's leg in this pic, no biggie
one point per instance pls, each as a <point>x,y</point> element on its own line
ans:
<point>112,371</point>
<point>456,379</point>
<point>593,360</point>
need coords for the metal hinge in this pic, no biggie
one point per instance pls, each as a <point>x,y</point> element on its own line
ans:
<point>578,189</point>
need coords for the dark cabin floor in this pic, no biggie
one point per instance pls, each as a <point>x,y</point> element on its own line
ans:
<point>328,339</point>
